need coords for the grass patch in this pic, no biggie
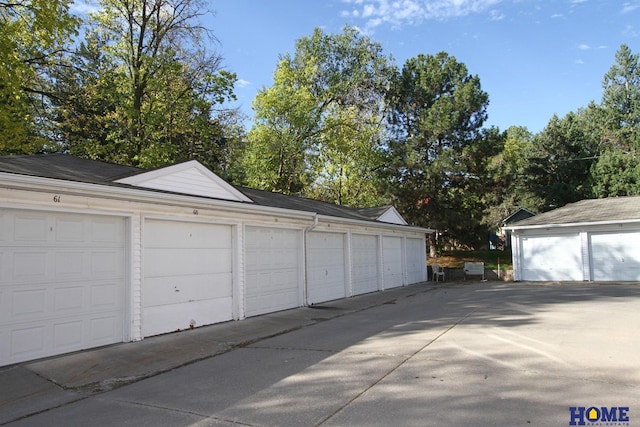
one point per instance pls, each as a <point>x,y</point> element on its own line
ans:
<point>456,259</point>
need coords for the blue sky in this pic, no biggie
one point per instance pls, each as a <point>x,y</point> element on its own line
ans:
<point>534,57</point>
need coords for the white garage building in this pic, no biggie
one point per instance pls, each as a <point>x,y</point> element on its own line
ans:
<point>591,240</point>
<point>94,253</point>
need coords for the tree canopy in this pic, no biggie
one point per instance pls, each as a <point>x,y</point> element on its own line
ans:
<point>33,37</point>
<point>318,129</point>
<point>340,123</point>
<point>436,112</point>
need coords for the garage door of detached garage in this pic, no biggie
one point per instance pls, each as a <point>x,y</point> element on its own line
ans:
<point>272,270</point>
<point>365,263</point>
<point>615,256</point>
<point>392,261</point>
<point>325,264</point>
<point>187,276</point>
<point>557,257</point>
<point>62,283</point>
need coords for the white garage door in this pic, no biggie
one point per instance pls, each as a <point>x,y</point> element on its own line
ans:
<point>364,259</point>
<point>416,261</point>
<point>557,257</point>
<point>272,270</point>
<point>61,283</point>
<point>615,256</point>
<point>187,275</point>
<point>392,261</point>
<point>325,263</point>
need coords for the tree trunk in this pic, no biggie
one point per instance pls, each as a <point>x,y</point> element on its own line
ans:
<point>432,245</point>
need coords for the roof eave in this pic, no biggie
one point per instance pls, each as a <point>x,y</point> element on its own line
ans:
<point>140,195</point>
<point>377,224</point>
<point>570,224</point>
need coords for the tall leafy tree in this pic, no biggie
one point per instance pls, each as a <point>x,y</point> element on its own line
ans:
<point>617,172</point>
<point>318,129</point>
<point>560,161</point>
<point>146,69</point>
<point>33,36</point>
<point>507,187</point>
<point>436,111</point>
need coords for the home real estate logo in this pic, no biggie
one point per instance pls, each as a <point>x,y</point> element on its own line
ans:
<point>599,416</point>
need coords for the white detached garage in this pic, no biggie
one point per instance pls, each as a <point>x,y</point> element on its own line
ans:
<point>590,240</point>
<point>94,253</point>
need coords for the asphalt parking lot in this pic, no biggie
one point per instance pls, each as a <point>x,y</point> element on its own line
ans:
<point>458,354</point>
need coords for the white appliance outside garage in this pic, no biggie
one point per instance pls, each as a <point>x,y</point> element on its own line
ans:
<point>615,256</point>
<point>272,270</point>
<point>416,261</point>
<point>325,267</point>
<point>365,263</point>
<point>392,261</point>
<point>552,257</point>
<point>187,275</point>
<point>62,283</point>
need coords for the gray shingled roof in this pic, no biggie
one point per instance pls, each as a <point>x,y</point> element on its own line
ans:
<point>276,200</point>
<point>61,166</point>
<point>611,209</point>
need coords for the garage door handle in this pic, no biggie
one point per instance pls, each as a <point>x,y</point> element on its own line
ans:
<point>175,288</point>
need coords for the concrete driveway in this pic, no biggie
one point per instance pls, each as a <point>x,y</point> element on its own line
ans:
<point>477,354</point>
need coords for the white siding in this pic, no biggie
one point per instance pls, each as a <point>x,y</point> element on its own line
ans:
<point>615,256</point>
<point>187,275</point>
<point>392,216</point>
<point>62,283</point>
<point>272,270</point>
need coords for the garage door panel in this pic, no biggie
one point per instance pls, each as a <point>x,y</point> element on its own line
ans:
<point>170,290</point>
<point>169,318</point>
<point>182,235</point>
<point>326,267</point>
<point>187,269</point>
<point>552,258</point>
<point>30,228</point>
<point>106,264</point>
<point>176,262</point>
<point>615,256</point>
<point>272,269</point>
<point>364,258</point>
<point>392,262</point>
<point>60,273</point>
<point>416,261</point>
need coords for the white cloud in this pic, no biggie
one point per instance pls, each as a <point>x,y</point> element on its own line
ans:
<point>496,15</point>
<point>629,7</point>
<point>408,12</point>
<point>579,62</point>
<point>630,31</point>
<point>584,46</point>
<point>240,83</point>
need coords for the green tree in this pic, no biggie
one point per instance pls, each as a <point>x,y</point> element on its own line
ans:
<point>33,36</point>
<point>507,188</point>
<point>560,161</point>
<point>148,85</point>
<point>436,111</point>
<point>318,129</point>
<point>617,172</point>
